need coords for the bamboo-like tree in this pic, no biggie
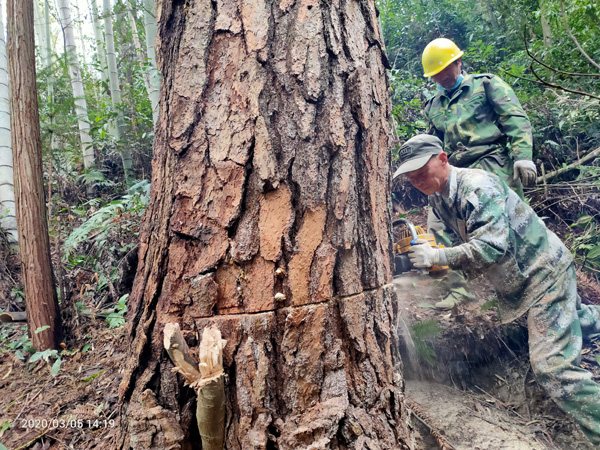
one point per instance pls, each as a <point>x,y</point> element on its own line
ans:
<point>100,51</point>
<point>115,88</point>
<point>41,301</point>
<point>8,222</point>
<point>80,36</point>
<point>155,78</point>
<point>87,148</point>
<point>38,25</point>
<point>151,75</point>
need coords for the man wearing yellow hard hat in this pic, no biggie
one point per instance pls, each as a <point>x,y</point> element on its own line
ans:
<point>478,118</point>
<point>482,125</point>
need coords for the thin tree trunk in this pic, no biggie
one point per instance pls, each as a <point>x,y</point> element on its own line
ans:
<point>269,220</point>
<point>115,89</point>
<point>40,37</point>
<point>34,244</point>
<point>492,19</point>
<point>87,149</point>
<point>101,53</point>
<point>150,28</point>
<point>8,221</point>
<point>81,40</point>
<point>48,51</point>
<point>150,88</point>
<point>546,29</point>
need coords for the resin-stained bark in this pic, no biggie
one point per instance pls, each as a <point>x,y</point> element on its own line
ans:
<point>269,218</point>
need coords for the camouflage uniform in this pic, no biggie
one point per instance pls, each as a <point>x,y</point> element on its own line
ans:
<point>532,271</point>
<point>477,122</point>
<point>480,123</point>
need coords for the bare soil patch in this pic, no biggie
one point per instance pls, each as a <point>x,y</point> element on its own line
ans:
<point>470,377</point>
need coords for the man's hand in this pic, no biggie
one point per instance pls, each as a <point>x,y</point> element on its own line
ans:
<point>526,171</point>
<point>423,255</point>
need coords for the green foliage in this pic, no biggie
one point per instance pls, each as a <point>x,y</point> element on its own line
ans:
<point>14,338</point>
<point>113,217</point>
<point>117,318</point>
<point>91,377</point>
<point>94,178</point>
<point>421,332</point>
<point>585,245</point>
<point>491,303</point>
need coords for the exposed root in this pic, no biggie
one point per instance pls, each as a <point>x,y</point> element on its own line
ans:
<point>415,409</point>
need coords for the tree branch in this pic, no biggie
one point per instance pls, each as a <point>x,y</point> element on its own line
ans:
<point>556,86</point>
<point>581,50</point>
<point>572,74</point>
<point>574,165</point>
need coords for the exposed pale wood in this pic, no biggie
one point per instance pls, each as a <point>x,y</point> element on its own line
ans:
<point>14,316</point>
<point>208,382</point>
<point>180,353</point>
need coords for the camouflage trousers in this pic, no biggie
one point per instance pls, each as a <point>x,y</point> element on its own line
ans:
<point>557,324</point>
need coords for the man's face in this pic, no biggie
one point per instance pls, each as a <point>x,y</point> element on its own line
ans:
<point>447,77</point>
<point>432,177</point>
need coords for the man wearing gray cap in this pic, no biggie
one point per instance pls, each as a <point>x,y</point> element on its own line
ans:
<point>501,237</point>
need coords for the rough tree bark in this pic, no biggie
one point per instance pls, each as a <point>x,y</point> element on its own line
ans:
<point>269,219</point>
<point>34,243</point>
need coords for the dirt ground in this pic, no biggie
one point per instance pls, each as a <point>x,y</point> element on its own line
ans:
<point>76,409</point>
<point>477,391</point>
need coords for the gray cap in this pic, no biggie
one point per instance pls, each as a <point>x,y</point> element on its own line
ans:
<point>415,152</point>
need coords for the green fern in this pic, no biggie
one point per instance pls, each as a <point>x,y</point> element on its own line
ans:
<point>425,329</point>
<point>420,332</point>
<point>102,220</point>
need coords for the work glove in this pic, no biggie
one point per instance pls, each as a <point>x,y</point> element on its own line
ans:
<point>526,171</point>
<point>423,255</point>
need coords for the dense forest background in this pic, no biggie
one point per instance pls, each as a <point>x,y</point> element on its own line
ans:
<point>549,51</point>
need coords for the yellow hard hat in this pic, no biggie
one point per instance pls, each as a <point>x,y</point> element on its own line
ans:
<point>438,55</point>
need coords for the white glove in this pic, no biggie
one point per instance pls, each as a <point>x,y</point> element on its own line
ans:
<point>526,171</point>
<point>423,255</point>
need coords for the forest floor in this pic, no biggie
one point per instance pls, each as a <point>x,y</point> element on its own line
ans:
<point>467,377</point>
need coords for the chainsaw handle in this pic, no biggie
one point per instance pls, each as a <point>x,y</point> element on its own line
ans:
<point>408,225</point>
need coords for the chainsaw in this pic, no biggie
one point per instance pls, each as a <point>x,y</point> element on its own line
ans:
<point>406,237</point>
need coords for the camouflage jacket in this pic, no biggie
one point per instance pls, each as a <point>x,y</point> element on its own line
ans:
<point>481,117</point>
<point>501,237</point>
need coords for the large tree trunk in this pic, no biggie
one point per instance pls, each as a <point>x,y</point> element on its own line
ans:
<point>269,219</point>
<point>34,243</point>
